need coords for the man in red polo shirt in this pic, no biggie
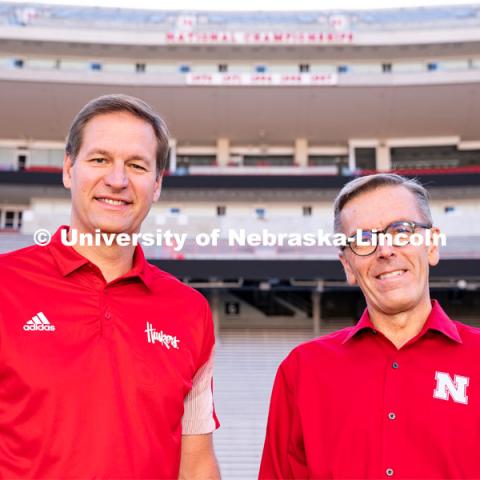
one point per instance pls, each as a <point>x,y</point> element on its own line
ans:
<point>397,395</point>
<point>105,361</point>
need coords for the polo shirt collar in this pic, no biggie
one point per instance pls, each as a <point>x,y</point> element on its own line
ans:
<point>68,259</point>
<point>437,320</point>
<point>141,268</point>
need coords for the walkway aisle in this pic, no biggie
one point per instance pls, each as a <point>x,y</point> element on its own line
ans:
<point>246,363</point>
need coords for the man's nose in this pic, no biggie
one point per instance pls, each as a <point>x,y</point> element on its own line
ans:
<point>116,177</point>
<point>385,248</point>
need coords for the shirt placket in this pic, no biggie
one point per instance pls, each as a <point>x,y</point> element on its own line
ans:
<point>97,283</point>
<point>391,415</point>
<point>105,314</point>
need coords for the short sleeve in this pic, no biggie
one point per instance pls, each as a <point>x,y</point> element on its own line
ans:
<point>199,415</point>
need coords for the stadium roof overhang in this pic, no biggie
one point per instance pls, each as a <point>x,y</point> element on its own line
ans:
<point>372,48</point>
<point>33,109</point>
<point>447,273</point>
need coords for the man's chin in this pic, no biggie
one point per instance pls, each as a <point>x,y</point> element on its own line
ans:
<point>112,228</point>
<point>393,302</point>
<point>396,304</point>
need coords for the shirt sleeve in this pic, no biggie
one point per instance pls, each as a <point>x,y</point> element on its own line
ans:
<point>199,415</point>
<point>283,452</point>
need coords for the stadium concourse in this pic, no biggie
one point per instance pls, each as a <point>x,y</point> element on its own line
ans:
<point>270,114</point>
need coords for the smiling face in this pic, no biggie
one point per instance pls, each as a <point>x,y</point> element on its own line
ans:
<point>393,279</point>
<point>113,179</point>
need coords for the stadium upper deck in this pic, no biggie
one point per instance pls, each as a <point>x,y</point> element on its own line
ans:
<point>336,27</point>
<point>32,14</point>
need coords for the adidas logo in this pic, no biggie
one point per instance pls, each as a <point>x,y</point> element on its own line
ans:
<point>39,323</point>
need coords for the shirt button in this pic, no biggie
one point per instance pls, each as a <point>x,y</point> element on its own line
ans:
<point>392,416</point>
<point>108,315</point>
<point>394,365</point>
<point>389,472</point>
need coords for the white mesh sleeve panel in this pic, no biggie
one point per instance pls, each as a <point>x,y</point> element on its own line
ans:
<point>198,404</point>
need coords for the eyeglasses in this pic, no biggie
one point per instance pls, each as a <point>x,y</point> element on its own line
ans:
<point>397,234</point>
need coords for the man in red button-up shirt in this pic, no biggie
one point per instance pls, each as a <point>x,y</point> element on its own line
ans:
<point>105,361</point>
<point>398,395</point>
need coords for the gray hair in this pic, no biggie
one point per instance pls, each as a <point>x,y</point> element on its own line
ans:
<point>370,182</point>
<point>119,103</point>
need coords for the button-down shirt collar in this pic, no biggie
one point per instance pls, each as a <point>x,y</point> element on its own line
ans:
<point>437,320</point>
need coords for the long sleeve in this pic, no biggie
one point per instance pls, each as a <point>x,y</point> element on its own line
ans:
<point>283,452</point>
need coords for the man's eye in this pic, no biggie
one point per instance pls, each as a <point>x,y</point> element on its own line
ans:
<point>367,236</point>
<point>400,230</point>
<point>136,166</point>
<point>98,160</point>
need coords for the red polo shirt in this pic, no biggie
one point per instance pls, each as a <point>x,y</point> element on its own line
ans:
<point>93,375</point>
<point>352,405</point>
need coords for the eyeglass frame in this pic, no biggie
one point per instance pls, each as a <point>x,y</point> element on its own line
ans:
<point>413,225</point>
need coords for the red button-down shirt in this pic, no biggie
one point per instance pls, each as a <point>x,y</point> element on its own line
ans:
<point>352,405</point>
<point>93,375</point>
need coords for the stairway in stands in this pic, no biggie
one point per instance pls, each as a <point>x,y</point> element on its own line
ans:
<point>246,363</point>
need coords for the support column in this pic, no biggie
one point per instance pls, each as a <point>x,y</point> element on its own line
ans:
<point>223,152</point>
<point>215,307</point>
<point>352,163</point>
<point>316,312</point>
<point>173,155</point>
<point>383,158</point>
<point>301,152</point>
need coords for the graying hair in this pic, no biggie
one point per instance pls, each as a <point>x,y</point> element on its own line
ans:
<point>370,182</point>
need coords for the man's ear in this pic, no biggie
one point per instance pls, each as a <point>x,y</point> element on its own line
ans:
<point>351,279</point>
<point>158,187</point>
<point>67,171</point>
<point>434,247</point>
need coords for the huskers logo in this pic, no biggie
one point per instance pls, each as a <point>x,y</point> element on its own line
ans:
<point>166,340</point>
<point>446,387</point>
